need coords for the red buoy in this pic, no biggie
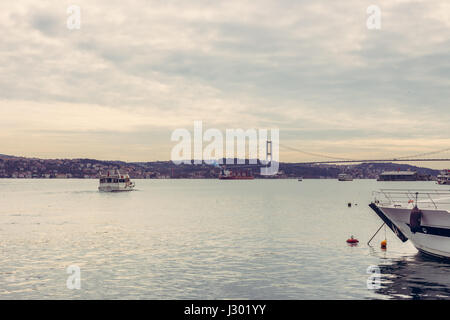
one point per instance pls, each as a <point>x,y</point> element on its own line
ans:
<point>352,240</point>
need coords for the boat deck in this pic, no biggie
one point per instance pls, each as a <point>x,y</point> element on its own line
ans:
<point>408,198</point>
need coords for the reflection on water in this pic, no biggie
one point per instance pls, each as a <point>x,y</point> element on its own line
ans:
<point>416,277</point>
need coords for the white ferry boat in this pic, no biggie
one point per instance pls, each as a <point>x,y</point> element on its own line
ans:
<point>444,177</point>
<point>345,177</point>
<point>115,181</point>
<point>422,216</point>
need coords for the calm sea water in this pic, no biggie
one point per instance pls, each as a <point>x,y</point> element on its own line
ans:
<point>205,239</point>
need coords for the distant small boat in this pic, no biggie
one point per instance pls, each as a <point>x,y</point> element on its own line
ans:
<point>345,177</point>
<point>300,179</point>
<point>444,177</point>
<point>115,181</point>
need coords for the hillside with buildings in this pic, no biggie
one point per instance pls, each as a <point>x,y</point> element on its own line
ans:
<point>33,168</point>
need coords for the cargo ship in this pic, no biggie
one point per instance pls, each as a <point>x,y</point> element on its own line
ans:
<point>235,175</point>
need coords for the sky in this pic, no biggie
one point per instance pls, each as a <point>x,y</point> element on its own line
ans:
<point>137,70</point>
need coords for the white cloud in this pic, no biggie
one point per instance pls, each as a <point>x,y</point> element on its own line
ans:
<point>309,67</point>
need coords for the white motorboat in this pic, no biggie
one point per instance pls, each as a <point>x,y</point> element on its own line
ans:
<point>422,216</point>
<point>444,177</point>
<point>115,181</point>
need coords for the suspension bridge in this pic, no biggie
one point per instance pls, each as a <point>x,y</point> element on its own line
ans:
<point>339,160</point>
<point>331,159</point>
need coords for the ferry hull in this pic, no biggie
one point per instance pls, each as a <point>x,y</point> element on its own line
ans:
<point>114,188</point>
<point>433,238</point>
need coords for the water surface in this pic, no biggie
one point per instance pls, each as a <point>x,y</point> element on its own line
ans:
<point>205,239</point>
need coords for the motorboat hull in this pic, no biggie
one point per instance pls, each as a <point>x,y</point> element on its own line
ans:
<point>433,238</point>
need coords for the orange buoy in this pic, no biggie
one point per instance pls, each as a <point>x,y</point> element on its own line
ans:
<point>384,244</point>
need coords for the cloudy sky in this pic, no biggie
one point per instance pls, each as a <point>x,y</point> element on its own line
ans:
<point>137,70</point>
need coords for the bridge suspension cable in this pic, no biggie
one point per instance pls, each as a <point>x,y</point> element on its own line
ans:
<point>405,158</point>
<point>314,154</point>
<point>424,154</point>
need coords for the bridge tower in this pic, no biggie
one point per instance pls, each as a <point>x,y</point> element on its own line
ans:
<point>269,151</point>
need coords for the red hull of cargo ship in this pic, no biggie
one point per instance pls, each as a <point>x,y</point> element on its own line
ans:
<point>236,177</point>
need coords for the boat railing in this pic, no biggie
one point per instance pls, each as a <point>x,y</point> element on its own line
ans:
<point>424,198</point>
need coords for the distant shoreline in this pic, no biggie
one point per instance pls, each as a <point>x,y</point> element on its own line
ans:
<point>35,168</point>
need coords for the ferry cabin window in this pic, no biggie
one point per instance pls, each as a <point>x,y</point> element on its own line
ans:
<point>110,180</point>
